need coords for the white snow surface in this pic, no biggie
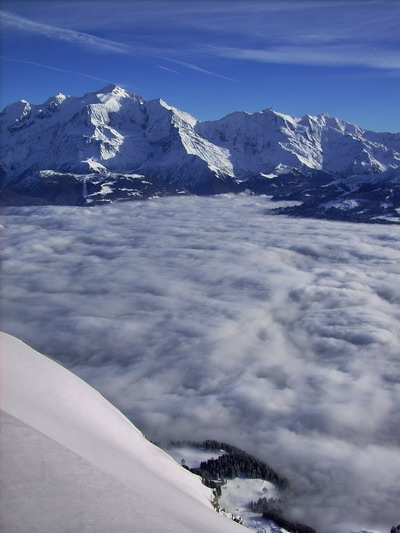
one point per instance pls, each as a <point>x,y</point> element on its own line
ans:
<point>72,462</point>
<point>236,495</point>
<point>115,130</point>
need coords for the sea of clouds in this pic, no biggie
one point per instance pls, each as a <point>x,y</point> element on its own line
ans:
<point>213,318</point>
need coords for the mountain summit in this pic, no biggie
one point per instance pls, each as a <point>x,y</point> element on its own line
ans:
<point>113,133</point>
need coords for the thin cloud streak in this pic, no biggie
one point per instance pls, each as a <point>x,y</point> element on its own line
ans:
<point>198,69</point>
<point>61,34</point>
<point>322,56</point>
<point>49,67</point>
<point>168,69</point>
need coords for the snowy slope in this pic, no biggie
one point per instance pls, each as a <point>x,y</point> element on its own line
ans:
<point>72,462</point>
<point>269,141</point>
<point>113,130</point>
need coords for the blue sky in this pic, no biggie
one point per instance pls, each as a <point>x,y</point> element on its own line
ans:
<point>211,57</point>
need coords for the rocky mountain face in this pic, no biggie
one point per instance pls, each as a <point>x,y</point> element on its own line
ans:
<point>113,145</point>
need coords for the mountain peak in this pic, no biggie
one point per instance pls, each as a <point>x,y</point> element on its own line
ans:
<point>15,111</point>
<point>276,115</point>
<point>115,91</point>
<point>55,101</point>
<point>109,88</point>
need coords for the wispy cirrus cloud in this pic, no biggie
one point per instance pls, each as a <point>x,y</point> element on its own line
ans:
<point>267,31</point>
<point>93,42</point>
<point>168,69</point>
<point>339,19</point>
<point>61,34</point>
<point>198,69</point>
<point>49,67</point>
<point>335,55</point>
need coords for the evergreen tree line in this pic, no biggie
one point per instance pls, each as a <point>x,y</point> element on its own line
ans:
<point>271,509</point>
<point>264,504</point>
<point>292,527</point>
<point>236,463</point>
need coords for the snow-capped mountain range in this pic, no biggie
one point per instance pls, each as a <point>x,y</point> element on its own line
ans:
<point>114,141</point>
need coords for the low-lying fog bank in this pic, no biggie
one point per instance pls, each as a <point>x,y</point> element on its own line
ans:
<point>211,318</point>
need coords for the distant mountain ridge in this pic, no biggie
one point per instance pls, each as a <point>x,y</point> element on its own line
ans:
<point>114,140</point>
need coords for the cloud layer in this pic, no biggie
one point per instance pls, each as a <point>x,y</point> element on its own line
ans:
<point>212,318</point>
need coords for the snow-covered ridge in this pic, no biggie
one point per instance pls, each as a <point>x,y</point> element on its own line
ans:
<point>72,462</point>
<point>114,130</point>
